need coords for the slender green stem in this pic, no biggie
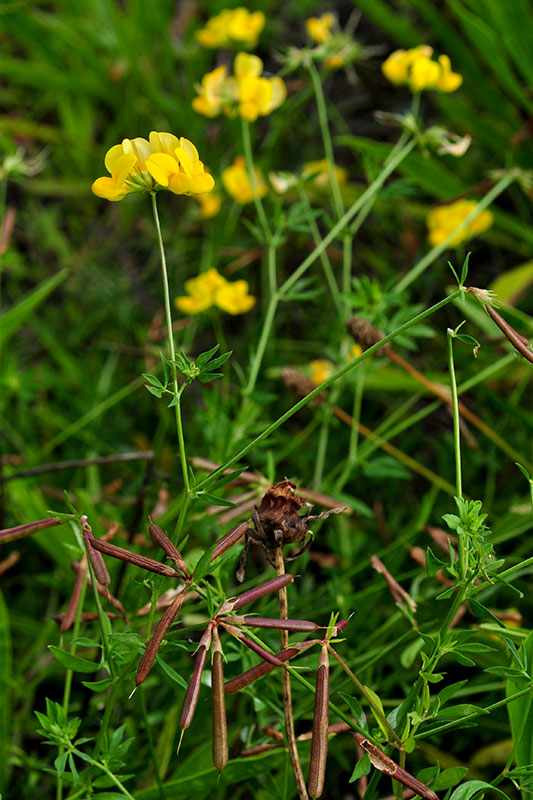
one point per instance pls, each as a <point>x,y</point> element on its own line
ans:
<point>435,252</point>
<point>107,771</point>
<point>326,137</point>
<point>172,353</point>
<point>324,258</point>
<point>455,407</point>
<point>347,266</point>
<point>528,562</point>
<point>371,190</point>
<point>473,715</point>
<point>340,373</point>
<point>267,323</point>
<point>69,673</point>
<point>248,155</point>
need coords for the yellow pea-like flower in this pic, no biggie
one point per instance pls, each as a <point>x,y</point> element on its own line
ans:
<point>319,28</point>
<point>232,26</point>
<point>135,164</point>
<point>443,220</point>
<point>212,289</point>
<point>237,182</point>
<point>210,203</point>
<point>320,370</point>
<point>318,173</point>
<point>417,69</point>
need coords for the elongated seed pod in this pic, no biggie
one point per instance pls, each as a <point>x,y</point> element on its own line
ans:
<point>193,691</point>
<point>133,558</point>
<point>231,538</point>
<point>319,740</point>
<point>102,590</point>
<point>261,652</point>
<point>384,763</point>
<point>97,562</point>
<point>159,537</point>
<point>74,601</point>
<point>148,657</point>
<point>254,594</point>
<point>11,534</point>
<point>251,675</point>
<point>218,706</point>
<point>296,625</point>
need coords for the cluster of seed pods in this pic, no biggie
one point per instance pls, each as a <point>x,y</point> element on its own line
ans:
<point>210,640</point>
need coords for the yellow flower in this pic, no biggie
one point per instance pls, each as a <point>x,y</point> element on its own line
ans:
<point>416,68</point>
<point>135,164</point>
<point>334,62</point>
<point>182,172</point>
<point>443,220</point>
<point>449,81</point>
<point>320,370</point>
<point>237,183</point>
<point>319,173</point>
<point>232,25</point>
<point>245,92</point>
<point>319,28</point>
<point>210,203</point>
<point>126,164</point>
<point>212,289</point>
<point>213,93</point>
<point>234,298</point>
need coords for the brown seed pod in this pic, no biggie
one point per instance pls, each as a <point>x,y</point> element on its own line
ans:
<point>231,538</point>
<point>97,562</point>
<point>160,538</point>
<point>74,601</point>
<point>385,764</point>
<point>149,655</point>
<point>134,558</point>
<point>11,534</point>
<point>193,691</point>
<point>319,740</point>
<point>254,594</point>
<point>218,706</point>
<point>295,625</point>
<point>256,648</point>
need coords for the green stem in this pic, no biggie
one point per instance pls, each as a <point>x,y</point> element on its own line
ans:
<point>247,144</point>
<point>435,252</point>
<point>326,137</point>
<point>151,747</point>
<point>371,190</point>
<point>455,407</point>
<point>107,771</point>
<point>340,373</point>
<point>324,258</point>
<point>473,715</point>
<point>347,267</point>
<point>267,323</point>
<point>170,338</point>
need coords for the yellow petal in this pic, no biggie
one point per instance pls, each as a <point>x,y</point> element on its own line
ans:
<point>246,64</point>
<point>161,166</point>
<point>180,183</point>
<point>108,189</point>
<point>163,142</point>
<point>192,305</point>
<point>112,156</point>
<point>123,167</point>
<point>202,183</point>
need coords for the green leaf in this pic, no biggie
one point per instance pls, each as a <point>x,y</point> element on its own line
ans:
<point>355,708</point>
<point>204,564</point>
<point>450,777</point>
<point>464,660</point>
<point>449,691</point>
<point>73,662</point>
<point>470,788</point>
<point>218,501</point>
<point>98,686</point>
<point>446,593</point>
<point>154,390</point>
<point>361,768</point>
<point>204,357</point>
<point>483,613</point>
<point>433,564</point>
<point>16,316</point>
<point>171,673</point>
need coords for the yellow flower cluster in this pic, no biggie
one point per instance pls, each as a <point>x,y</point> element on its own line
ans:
<point>210,203</point>
<point>245,93</point>
<point>319,28</point>
<point>232,26</point>
<point>443,220</point>
<point>237,182</point>
<point>135,164</point>
<point>212,289</point>
<point>416,68</point>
